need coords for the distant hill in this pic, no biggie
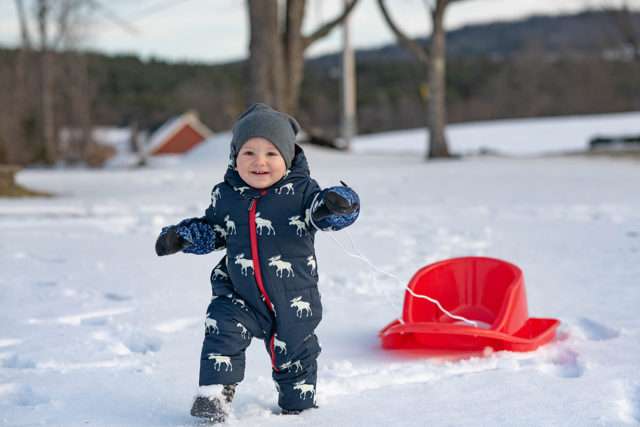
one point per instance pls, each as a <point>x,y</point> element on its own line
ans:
<point>539,66</point>
<point>580,34</point>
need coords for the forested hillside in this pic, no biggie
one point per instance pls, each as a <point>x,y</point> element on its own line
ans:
<point>541,66</point>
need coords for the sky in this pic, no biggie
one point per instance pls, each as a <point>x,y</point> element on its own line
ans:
<point>217,31</point>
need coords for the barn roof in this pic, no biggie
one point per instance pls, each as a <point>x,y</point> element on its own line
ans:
<point>165,132</point>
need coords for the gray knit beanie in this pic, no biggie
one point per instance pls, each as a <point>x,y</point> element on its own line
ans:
<point>263,121</point>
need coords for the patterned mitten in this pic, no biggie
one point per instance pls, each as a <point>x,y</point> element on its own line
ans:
<point>170,241</point>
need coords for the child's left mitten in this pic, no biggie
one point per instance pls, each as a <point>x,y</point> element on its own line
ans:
<point>341,201</point>
<point>170,241</point>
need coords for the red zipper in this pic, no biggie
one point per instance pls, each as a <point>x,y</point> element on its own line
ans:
<point>253,234</point>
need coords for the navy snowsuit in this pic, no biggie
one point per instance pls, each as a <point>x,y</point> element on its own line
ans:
<point>266,285</point>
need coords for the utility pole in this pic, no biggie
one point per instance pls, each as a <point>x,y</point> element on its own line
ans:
<point>348,93</point>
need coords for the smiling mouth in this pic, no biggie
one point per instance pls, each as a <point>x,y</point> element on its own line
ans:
<point>259,173</point>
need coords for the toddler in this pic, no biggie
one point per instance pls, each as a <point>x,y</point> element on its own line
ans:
<point>265,214</point>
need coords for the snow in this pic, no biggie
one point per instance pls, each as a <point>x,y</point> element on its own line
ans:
<point>519,137</point>
<point>94,328</point>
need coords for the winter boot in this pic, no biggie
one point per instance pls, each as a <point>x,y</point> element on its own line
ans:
<point>296,411</point>
<point>212,402</point>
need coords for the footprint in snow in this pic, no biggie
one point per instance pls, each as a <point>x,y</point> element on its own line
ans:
<point>15,361</point>
<point>595,331</point>
<point>139,342</point>
<point>565,363</point>
<point>45,284</point>
<point>116,297</point>
<point>20,394</point>
<point>34,257</point>
<point>127,342</point>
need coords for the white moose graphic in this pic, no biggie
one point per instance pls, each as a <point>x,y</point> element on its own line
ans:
<point>277,344</point>
<point>281,266</point>
<point>304,388</point>
<point>302,307</point>
<point>240,189</point>
<point>211,323</point>
<point>264,223</point>
<point>215,195</point>
<point>219,274</point>
<point>288,187</point>
<point>223,233</point>
<point>244,264</point>
<point>245,334</point>
<point>240,302</point>
<point>311,262</point>
<point>231,226</point>
<point>219,361</point>
<point>301,227</point>
<point>290,364</point>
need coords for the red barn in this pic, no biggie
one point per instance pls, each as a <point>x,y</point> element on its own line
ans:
<point>178,135</point>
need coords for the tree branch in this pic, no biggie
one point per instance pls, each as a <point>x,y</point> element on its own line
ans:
<point>324,30</point>
<point>414,47</point>
<point>24,29</point>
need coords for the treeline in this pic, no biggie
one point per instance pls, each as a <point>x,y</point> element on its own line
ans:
<point>542,66</point>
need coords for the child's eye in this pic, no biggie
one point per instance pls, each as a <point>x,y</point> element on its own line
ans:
<point>272,154</point>
<point>248,153</point>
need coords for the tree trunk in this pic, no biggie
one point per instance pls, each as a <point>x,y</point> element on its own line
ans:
<point>276,52</point>
<point>293,55</point>
<point>436,72</point>
<point>47,128</point>
<point>266,62</point>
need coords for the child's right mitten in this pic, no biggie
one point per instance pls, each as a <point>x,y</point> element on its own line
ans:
<point>170,241</point>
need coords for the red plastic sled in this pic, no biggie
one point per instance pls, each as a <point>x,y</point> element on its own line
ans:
<point>486,290</point>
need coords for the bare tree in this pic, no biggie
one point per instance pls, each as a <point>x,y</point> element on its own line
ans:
<point>50,83</point>
<point>276,51</point>
<point>626,26</point>
<point>46,130</point>
<point>434,60</point>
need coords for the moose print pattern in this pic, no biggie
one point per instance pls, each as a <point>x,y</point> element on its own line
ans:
<point>240,302</point>
<point>241,190</point>
<point>219,274</point>
<point>231,226</point>
<point>245,264</point>
<point>305,388</point>
<point>221,231</point>
<point>289,365</point>
<point>264,223</point>
<point>288,187</point>
<point>301,227</point>
<point>215,195</point>
<point>211,323</point>
<point>302,307</point>
<point>281,266</point>
<point>244,333</point>
<point>219,361</point>
<point>311,262</point>
<point>278,345</point>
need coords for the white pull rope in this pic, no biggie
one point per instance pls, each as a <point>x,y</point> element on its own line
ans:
<point>372,267</point>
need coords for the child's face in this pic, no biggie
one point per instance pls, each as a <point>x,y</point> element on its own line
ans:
<point>259,163</point>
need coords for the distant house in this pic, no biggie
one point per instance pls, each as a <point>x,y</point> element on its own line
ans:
<point>178,135</point>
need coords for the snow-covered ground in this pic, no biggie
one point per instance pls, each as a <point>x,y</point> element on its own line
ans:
<point>94,328</point>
